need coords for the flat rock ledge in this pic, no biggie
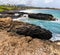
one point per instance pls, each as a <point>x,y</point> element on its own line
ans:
<point>12,43</point>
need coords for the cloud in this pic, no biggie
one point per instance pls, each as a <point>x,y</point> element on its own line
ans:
<point>37,3</point>
<point>48,1</point>
<point>13,1</point>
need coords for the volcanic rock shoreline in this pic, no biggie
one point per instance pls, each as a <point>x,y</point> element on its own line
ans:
<point>40,16</point>
<point>12,43</point>
<point>24,29</point>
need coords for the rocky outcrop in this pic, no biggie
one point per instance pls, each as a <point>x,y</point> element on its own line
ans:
<point>42,16</point>
<point>11,14</point>
<point>13,41</point>
<point>25,29</point>
<point>5,22</point>
<point>31,30</point>
<point>13,44</point>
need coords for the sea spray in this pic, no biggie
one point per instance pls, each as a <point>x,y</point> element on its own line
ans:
<point>23,18</point>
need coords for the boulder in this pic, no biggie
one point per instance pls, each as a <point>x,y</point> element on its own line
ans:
<point>5,22</point>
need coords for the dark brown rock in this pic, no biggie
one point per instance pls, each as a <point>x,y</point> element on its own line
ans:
<point>42,16</point>
<point>13,44</point>
<point>25,29</point>
<point>30,30</point>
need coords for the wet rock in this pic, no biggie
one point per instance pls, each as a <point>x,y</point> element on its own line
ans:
<point>24,29</point>
<point>42,16</point>
<point>11,14</point>
<point>30,30</point>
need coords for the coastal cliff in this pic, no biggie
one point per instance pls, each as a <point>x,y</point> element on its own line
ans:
<point>13,43</point>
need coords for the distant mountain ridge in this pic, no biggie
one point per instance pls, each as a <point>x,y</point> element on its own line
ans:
<point>21,5</point>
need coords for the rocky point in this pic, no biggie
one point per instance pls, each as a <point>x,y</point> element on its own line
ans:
<point>13,41</point>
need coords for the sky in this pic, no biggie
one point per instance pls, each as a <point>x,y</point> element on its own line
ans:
<point>35,3</point>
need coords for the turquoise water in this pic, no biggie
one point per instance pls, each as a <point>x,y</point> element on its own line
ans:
<point>53,26</point>
<point>55,13</point>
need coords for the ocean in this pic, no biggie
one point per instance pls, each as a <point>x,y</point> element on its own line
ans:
<point>53,26</point>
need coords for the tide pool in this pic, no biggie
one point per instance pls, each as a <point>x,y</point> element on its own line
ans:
<point>53,26</point>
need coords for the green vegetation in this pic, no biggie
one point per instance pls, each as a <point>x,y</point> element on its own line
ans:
<point>13,7</point>
<point>7,8</point>
<point>10,7</point>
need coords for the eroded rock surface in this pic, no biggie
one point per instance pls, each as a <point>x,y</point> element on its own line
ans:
<point>5,22</point>
<point>25,29</point>
<point>40,16</point>
<point>13,44</point>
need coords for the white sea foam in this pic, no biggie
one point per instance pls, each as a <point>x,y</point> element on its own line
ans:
<point>22,18</point>
<point>57,21</point>
<point>55,37</point>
